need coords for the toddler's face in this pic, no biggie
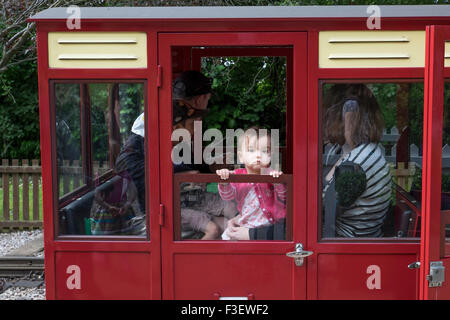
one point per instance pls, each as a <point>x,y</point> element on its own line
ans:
<point>255,153</point>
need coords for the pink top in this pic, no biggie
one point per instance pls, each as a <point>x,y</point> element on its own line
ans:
<point>272,197</point>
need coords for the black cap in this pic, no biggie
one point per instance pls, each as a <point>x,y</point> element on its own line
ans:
<point>190,84</point>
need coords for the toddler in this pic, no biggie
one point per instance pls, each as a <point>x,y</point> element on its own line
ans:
<point>259,204</point>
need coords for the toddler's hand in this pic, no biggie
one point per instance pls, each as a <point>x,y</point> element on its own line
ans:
<point>275,173</point>
<point>233,223</point>
<point>224,174</point>
<point>239,233</point>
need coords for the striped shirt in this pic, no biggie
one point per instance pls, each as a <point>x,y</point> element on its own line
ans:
<point>365,217</point>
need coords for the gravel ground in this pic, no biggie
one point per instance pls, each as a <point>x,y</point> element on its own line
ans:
<point>13,240</point>
<point>22,293</point>
<point>8,242</point>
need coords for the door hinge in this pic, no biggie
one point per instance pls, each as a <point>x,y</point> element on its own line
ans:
<point>161,215</point>
<point>159,77</point>
<point>437,274</point>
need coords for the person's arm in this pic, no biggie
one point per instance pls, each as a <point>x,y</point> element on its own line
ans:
<point>99,197</point>
<point>279,188</point>
<point>281,191</point>
<point>131,196</point>
<point>226,190</point>
<point>238,233</point>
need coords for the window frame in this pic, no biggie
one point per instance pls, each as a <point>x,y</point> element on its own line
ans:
<point>87,162</point>
<point>368,240</point>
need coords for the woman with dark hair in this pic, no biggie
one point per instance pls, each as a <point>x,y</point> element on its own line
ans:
<point>357,188</point>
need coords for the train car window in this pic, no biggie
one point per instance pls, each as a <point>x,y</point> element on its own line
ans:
<point>445,177</point>
<point>371,160</point>
<point>246,117</point>
<point>100,156</point>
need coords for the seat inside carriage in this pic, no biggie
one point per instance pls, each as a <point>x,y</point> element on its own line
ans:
<point>74,217</point>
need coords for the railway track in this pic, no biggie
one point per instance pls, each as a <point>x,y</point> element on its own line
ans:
<point>15,266</point>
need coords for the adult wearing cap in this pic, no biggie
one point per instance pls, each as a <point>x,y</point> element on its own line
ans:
<point>191,92</point>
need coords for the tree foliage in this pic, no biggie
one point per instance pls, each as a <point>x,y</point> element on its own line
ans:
<point>19,115</point>
<point>19,118</point>
<point>248,91</point>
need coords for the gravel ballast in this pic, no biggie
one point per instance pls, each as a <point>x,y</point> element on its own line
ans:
<point>9,242</point>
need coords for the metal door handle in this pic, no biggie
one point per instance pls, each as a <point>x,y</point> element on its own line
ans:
<point>414,265</point>
<point>299,254</point>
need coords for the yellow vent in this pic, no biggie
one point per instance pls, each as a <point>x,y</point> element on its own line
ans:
<point>447,54</point>
<point>97,49</point>
<point>371,49</point>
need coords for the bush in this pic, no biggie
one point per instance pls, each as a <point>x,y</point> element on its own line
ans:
<point>19,112</point>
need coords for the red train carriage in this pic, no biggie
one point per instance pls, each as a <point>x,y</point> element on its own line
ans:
<point>100,68</point>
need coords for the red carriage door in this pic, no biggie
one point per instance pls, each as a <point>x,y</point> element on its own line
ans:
<point>197,268</point>
<point>435,245</point>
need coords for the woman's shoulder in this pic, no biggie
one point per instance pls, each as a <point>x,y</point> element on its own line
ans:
<point>363,151</point>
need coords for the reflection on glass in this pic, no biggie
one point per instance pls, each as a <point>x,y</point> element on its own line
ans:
<point>234,211</point>
<point>104,123</point>
<point>68,137</point>
<point>115,208</point>
<point>249,91</point>
<point>372,138</point>
<point>204,214</point>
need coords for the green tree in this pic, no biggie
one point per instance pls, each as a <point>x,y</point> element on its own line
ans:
<point>249,91</point>
<point>19,116</point>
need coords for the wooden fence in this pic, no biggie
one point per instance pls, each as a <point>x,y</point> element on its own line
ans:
<point>23,183</point>
<point>71,174</point>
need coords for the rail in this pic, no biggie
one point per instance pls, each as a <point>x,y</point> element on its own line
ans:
<point>13,266</point>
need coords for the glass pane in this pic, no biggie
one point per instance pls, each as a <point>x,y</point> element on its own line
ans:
<point>233,211</point>
<point>68,138</point>
<point>372,159</point>
<point>248,91</point>
<point>102,98</point>
<point>111,138</point>
<point>445,184</point>
<point>246,94</point>
<point>114,108</point>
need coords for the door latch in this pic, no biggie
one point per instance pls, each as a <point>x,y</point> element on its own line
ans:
<point>437,274</point>
<point>299,254</point>
<point>414,265</point>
